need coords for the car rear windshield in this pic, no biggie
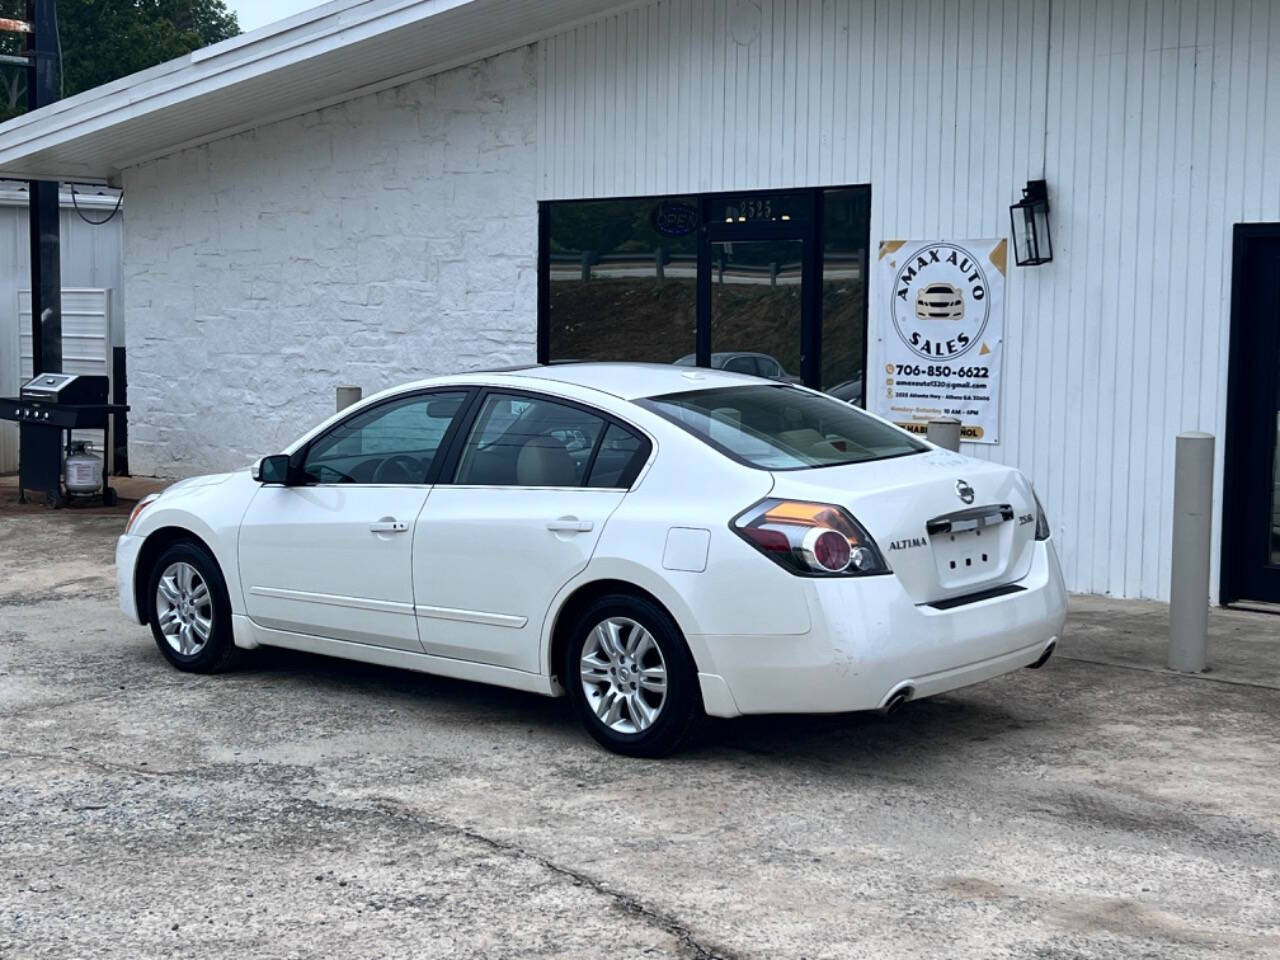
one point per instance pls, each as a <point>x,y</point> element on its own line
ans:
<point>778,427</point>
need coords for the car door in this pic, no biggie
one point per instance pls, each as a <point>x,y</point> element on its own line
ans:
<point>330,554</point>
<point>535,481</point>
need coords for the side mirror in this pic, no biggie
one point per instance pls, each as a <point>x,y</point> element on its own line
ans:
<point>272,469</point>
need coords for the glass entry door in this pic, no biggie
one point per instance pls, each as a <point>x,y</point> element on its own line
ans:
<point>1251,495</point>
<point>757,291</point>
<point>757,307</point>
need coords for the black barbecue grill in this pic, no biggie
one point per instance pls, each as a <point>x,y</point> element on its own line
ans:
<point>48,408</point>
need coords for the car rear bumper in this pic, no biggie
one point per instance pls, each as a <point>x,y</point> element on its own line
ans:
<point>869,641</point>
<point>127,549</point>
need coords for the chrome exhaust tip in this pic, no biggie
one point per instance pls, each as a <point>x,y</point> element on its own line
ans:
<point>1044,657</point>
<point>896,699</point>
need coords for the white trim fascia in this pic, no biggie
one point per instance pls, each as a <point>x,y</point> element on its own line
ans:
<point>376,87</point>
<point>15,197</point>
<point>77,112</point>
<point>84,109</point>
<point>64,175</point>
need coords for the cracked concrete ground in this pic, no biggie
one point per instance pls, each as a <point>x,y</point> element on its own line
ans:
<point>306,807</point>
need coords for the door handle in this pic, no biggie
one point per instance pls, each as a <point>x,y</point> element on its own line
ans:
<point>569,525</point>
<point>388,526</point>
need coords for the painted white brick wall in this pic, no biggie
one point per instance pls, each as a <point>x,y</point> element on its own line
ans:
<point>373,242</point>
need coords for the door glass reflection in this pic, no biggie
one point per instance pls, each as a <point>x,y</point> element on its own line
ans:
<point>756,301</point>
<point>623,279</point>
<point>845,218</point>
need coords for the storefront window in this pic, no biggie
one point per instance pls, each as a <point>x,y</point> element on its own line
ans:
<point>845,226</point>
<point>622,278</point>
<point>770,283</point>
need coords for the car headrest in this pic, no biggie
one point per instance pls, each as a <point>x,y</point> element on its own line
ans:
<point>545,462</point>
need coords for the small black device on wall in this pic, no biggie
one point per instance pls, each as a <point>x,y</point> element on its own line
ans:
<point>1029,219</point>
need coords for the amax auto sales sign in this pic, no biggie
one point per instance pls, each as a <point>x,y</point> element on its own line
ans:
<point>940,326</point>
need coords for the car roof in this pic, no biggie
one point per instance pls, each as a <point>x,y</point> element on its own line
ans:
<point>622,381</point>
<point>631,381</point>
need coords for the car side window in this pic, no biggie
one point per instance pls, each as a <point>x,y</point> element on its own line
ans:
<point>621,456</point>
<point>528,442</point>
<point>741,365</point>
<point>394,442</point>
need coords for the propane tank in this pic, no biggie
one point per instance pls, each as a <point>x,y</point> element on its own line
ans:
<point>84,469</point>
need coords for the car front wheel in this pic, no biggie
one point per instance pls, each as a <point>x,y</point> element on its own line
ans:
<point>190,614</point>
<point>631,678</point>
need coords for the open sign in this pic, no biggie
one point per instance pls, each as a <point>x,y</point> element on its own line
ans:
<point>674,219</point>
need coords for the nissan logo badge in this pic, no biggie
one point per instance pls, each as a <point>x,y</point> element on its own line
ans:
<point>964,491</point>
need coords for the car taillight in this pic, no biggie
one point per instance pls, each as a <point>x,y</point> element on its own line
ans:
<point>810,539</point>
<point>825,549</point>
<point>1042,521</point>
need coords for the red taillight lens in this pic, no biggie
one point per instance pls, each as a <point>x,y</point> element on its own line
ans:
<point>770,541</point>
<point>830,550</point>
<point>812,539</point>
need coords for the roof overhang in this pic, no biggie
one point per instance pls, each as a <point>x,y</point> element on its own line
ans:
<point>324,55</point>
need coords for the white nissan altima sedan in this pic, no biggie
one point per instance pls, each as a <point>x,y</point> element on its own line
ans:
<point>653,541</point>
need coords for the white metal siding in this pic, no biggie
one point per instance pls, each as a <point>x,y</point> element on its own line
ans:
<point>91,258</point>
<point>86,346</point>
<point>1163,130</point>
<point>86,343</point>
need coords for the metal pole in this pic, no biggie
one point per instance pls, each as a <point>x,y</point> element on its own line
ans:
<point>945,432</point>
<point>347,396</point>
<point>44,86</point>
<point>1192,527</point>
<point>46,276</point>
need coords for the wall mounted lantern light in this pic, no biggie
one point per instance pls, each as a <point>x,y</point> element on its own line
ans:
<point>1029,218</point>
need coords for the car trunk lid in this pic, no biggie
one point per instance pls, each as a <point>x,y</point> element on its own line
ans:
<point>948,526</point>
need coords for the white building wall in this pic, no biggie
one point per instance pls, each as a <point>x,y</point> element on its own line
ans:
<point>1157,126</point>
<point>394,235</point>
<point>381,240</point>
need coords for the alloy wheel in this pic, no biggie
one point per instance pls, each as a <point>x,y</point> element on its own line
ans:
<point>624,675</point>
<point>184,609</point>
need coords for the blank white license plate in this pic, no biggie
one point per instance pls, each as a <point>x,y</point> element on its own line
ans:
<point>966,552</point>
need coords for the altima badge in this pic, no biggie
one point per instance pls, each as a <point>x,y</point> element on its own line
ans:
<point>964,491</point>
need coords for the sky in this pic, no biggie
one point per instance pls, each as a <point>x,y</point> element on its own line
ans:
<point>258,13</point>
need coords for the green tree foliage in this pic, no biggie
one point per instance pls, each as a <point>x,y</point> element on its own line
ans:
<point>103,40</point>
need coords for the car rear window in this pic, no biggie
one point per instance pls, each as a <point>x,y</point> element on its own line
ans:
<point>782,427</point>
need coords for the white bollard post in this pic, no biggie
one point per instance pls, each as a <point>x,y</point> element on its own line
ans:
<point>945,432</point>
<point>1192,527</point>
<point>347,396</point>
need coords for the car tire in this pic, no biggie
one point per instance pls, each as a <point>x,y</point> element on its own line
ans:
<point>189,612</point>
<point>630,676</point>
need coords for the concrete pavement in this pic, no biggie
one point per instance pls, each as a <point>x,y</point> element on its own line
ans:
<point>306,807</point>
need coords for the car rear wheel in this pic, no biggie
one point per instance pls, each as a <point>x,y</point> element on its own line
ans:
<point>630,677</point>
<point>190,615</point>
